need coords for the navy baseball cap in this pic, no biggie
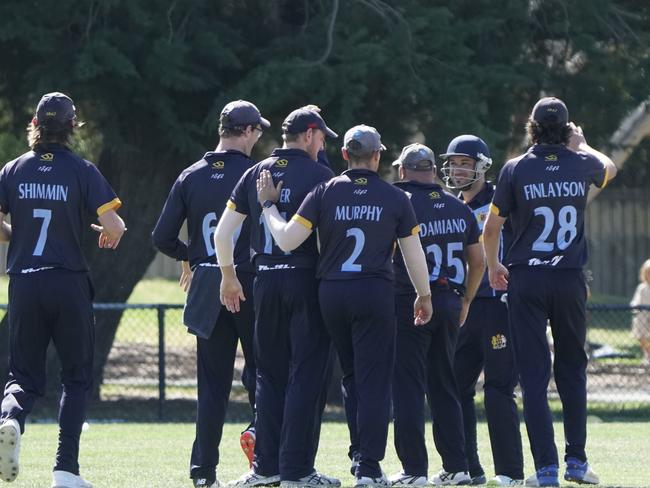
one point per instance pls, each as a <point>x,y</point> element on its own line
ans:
<point>55,107</point>
<point>302,119</point>
<point>362,140</point>
<point>550,111</point>
<point>416,157</point>
<point>242,113</point>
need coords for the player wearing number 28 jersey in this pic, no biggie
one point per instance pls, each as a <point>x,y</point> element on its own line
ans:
<point>544,193</point>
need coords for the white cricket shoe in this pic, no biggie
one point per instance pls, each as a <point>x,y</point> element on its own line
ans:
<point>9,449</point>
<point>444,478</point>
<point>368,482</point>
<point>503,480</point>
<point>64,479</point>
<point>205,483</point>
<point>314,480</point>
<point>253,479</point>
<point>403,479</point>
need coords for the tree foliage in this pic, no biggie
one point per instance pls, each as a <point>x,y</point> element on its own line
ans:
<point>150,78</point>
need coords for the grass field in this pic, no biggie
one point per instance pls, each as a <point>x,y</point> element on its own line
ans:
<point>156,455</point>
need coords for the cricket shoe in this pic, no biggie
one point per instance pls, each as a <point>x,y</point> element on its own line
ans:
<point>403,479</point>
<point>247,442</point>
<point>368,482</point>
<point>9,449</point>
<point>64,479</point>
<point>356,459</point>
<point>445,478</point>
<point>314,480</point>
<point>205,483</point>
<point>545,476</point>
<point>580,472</point>
<point>478,480</point>
<point>503,480</point>
<point>253,479</point>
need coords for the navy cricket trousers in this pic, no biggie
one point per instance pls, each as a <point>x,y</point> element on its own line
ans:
<point>536,295</point>
<point>485,343</point>
<point>424,366</point>
<point>292,351</point>
<point>215,358</point>
<point>51,305</point>
<point>360,317</point>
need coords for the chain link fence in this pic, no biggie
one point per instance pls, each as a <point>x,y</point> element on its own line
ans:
<point>152,365</point>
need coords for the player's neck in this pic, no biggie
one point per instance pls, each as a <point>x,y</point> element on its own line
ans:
<point>472,191</point>
<point>295,145</point>
<point>233,144</point>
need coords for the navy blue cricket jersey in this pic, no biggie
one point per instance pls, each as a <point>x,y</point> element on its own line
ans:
<point>544,194</point>
<point>199,195</point>
<point>359,216</point>
<point>299,174</point>
<point>48,192</point>
<point>480,207</point>
<point>446,228</point>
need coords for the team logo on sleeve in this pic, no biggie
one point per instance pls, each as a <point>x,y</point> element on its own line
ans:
<point>218,165</point>
<point>434,195</point>
<point>550,157</point>
<point>499,341</point>
<point>281,163</point>
<point>361,181</point>
<point>47,157</point>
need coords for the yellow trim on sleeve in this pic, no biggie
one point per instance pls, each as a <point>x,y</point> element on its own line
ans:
<point>114,204</point>
<point>302,220</point>
<point>606,179</point>
<point>231,205</point>
<point>480,238</point>
<point>415,230</point>
<point>495,210</point>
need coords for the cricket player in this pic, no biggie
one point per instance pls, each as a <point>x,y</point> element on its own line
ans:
<point>359,217</point>
<point>485,341</point>
<point>48,191</point>
<point>544,193</point>
<point>199,195</point>
<point>292,347</point>
<point>449,236</point>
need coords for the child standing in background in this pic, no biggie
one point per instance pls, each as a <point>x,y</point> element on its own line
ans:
<point>641,320</point>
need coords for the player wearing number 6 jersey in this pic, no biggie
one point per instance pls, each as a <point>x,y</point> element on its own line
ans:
<point>424,365</point>
<point>48,191</point>
<point>359,217</point>
<point>292,348</point>
<point>199,195</point>
<point>544,193</point>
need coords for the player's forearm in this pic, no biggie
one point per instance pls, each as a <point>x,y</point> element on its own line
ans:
<point>287,235</point>
<point>491,240</point>
<point>223,236</point>
<point>112,224</point>
<point>416,264</point>
<point>5,232</point>
<point>168,244</point>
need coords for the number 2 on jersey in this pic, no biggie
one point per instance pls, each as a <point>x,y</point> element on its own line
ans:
<point>46,215</point>
<point>359,241</point>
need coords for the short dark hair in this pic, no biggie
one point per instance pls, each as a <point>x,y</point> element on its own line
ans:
<point>359,158</point>
<point>226,132</point>
<point>547,133</point>
<point>49,134</point>
<point>290,137</point>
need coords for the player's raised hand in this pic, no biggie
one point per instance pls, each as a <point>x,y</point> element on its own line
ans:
<point>231,293</point>
<point>499,277</point>
<point>186,276</point>
<point>577,138</point>
<point>422,310</point>
<point>266,190</point>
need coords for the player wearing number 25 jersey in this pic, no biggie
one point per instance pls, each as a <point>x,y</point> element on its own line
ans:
<point>49,191</point>
<point>544,194</point>
<point>199,195</point>
<point>359,217</point>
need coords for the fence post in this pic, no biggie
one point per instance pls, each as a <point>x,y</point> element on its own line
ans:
<point>161,361</point>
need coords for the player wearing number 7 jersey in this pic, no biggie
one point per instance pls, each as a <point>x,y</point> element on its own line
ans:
<point>48,191</point>
<point>359,217</point>
<point>292,348</point>
<point>199,196</point>
<point>544,193</point>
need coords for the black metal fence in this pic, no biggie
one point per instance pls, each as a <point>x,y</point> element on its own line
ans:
<point>152,362</point>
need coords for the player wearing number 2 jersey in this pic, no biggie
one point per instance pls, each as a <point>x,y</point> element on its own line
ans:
<point>359,217</point>
<point>291,345</point>
<point>199,196</point>
<point>544,194</point>
<point>48,191</point>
